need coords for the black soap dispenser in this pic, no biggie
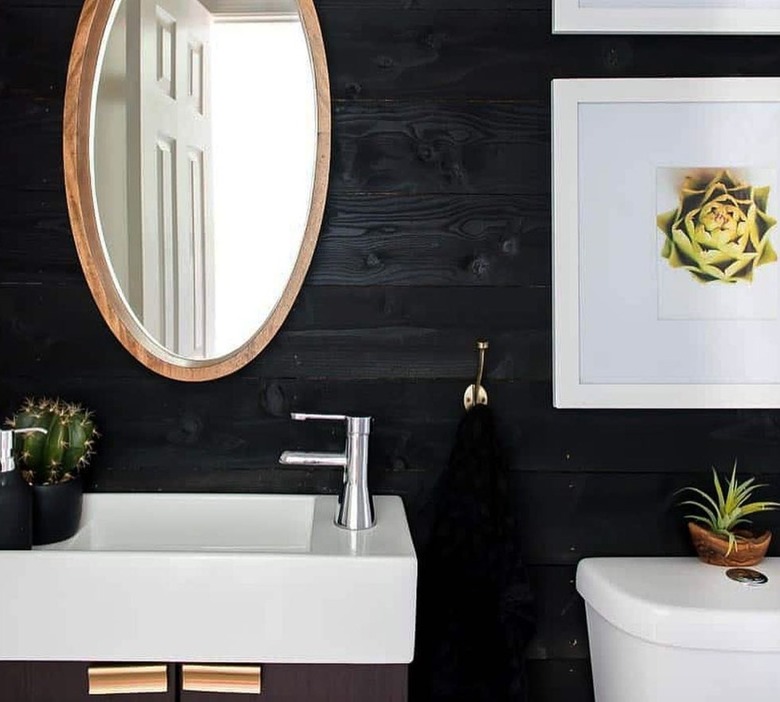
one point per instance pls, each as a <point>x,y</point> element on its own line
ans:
<point>15,496</point>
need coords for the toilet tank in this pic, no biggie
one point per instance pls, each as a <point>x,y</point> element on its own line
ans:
<point>676,629</point>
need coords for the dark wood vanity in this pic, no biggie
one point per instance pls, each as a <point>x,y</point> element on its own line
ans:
<point>22,681</point>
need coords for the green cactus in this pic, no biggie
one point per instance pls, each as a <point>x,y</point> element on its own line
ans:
<point>62,453</point>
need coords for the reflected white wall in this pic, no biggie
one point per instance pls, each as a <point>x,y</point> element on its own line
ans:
<point>110,151</point>
<point>264,111</point>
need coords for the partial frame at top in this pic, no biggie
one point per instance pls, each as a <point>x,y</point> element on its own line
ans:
<point>666,17</point>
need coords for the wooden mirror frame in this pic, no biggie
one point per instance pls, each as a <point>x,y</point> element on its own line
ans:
<point>77,125</point>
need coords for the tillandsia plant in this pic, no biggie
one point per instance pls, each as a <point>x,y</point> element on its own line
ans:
<point>64,451</point>
<point>729,509</point>
<point>719,230</point>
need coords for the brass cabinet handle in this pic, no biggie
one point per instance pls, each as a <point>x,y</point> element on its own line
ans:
<point>127,679</point>
<point>238,679</point>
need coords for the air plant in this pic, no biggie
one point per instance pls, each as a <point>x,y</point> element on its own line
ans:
<point>64,451</point>
<point>729,509</point>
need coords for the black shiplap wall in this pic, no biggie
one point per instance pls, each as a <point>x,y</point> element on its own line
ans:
<point>437,231</point>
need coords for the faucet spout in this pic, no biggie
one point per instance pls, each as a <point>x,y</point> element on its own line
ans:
<point>313,458</point>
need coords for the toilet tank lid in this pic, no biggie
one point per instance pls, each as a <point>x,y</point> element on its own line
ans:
<point>684,602</point>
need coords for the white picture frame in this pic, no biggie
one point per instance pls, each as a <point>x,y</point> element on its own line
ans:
<point>616,344</point>
<point>665,17</point>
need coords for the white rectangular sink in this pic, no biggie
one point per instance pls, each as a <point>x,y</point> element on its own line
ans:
<point>252,523</point>
<point>214,578</point>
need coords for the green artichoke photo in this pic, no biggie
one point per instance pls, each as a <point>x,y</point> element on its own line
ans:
<point>719,229</point>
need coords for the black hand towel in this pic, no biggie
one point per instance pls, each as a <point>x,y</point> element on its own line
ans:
<point>475,610</point>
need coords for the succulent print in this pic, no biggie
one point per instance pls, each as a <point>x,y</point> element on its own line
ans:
<point>719,229</point>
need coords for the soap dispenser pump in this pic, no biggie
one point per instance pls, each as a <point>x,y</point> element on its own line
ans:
<point>15,496</point>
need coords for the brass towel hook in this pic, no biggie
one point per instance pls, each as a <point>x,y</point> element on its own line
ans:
<point>476,394</point>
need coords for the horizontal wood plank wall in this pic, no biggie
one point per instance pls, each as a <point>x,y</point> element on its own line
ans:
<point>437,231</point>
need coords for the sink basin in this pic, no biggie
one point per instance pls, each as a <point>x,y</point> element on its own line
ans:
<point>251,523</point>
<point>217,578</point>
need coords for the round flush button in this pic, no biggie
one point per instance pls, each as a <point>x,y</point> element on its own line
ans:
<point>747,576</point>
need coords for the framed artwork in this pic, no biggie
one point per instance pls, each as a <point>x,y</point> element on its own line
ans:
<point>666,279</point>
<point>666,16</point>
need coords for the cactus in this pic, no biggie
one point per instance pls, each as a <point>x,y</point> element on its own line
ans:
<point>62,453</point>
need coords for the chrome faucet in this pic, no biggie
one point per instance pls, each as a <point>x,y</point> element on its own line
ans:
<point>355,509</point>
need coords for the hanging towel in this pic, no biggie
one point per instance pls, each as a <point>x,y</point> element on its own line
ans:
<point>475,609</point>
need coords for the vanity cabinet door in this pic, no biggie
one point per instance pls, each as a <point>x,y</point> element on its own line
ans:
<point>319,683</point>
<point>65,682</point>
<point>69,682</point>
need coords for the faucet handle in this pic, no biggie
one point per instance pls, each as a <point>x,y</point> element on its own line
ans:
<point>302,416</point>
<point>355,425</point>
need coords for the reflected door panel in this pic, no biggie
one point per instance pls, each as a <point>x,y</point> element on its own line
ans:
<point>169,172</point>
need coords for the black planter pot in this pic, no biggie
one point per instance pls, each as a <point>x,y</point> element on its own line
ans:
<point>56,511</point>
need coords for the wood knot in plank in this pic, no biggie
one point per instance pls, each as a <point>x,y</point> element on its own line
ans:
<point>434,40</point>
<point>385,61</point>
<point>509,246</point>
<point>456,173</point>
<point>273,400</point>
<point>617,55</point>
<point>353,89</point>
<point>373,261</point>
<point>399,464</point>
<point>187,431</point>
<point>479,266</point>
<point>425,153</point>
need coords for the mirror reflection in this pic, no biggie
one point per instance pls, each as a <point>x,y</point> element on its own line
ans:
<point>203,155</point>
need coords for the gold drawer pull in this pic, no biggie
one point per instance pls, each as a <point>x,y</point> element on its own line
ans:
<point>127,679</point>
<point>238,679</point>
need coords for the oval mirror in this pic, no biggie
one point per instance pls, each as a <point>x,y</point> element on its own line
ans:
<point>196,149</point>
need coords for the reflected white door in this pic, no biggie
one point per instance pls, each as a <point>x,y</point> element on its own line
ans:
<point>169,172</point>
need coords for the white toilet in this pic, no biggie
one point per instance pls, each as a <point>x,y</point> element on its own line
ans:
<point>678,630</point>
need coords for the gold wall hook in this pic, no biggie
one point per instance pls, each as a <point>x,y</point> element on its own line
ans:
<point>476,394</point>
